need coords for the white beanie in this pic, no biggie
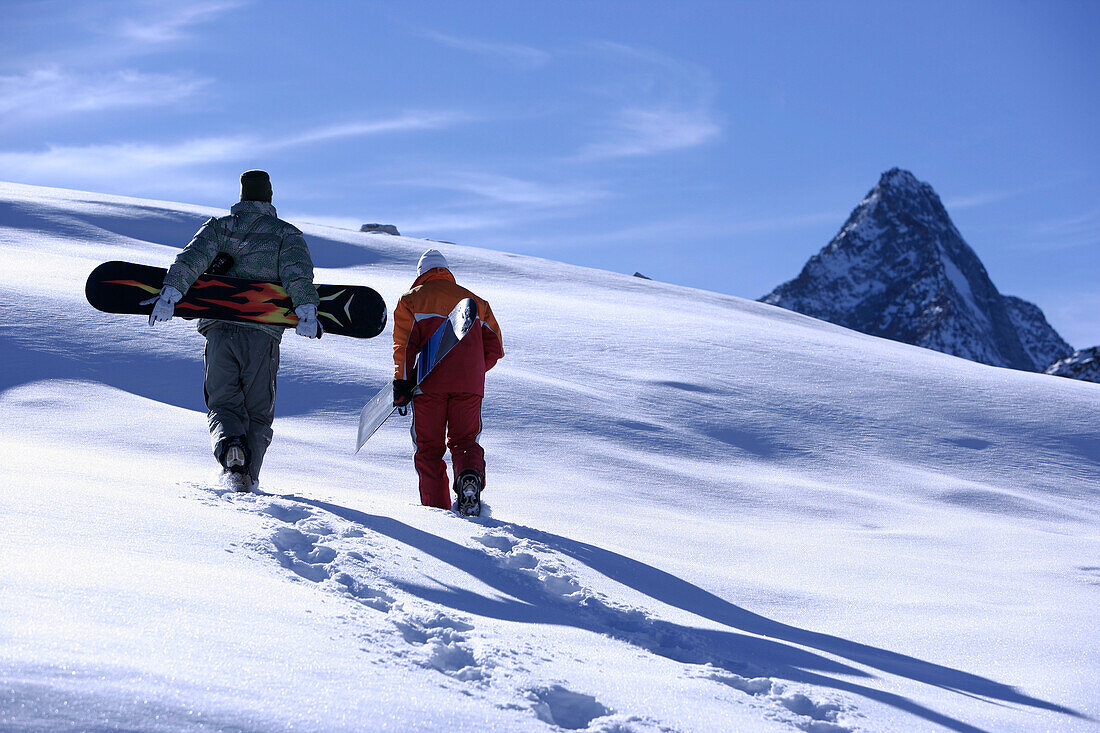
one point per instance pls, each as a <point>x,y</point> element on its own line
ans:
<point>430,260</point>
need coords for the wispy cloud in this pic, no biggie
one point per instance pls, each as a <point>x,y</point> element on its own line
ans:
<point>657,232</point>
<point>1069,225</point>
<point>511,190</point>
<point>403,123</point>
<point>121,159</point>
<point>985,198</point>
<point>785,223</point>
<point>52,92</point>
<point>490,204</point>
<point>512,53</point>
<point>661,103</point>
<point>652,131</point>
<point>168,22</point>
<point>1068,232</point>
<point>133,159</point>
<point>86,76</point>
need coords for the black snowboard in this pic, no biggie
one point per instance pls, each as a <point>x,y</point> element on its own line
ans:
<point>346,310</point>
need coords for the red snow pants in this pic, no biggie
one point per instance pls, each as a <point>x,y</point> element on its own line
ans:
<point>440,421</point>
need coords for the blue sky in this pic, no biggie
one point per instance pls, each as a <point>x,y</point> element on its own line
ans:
<point>711,144</point>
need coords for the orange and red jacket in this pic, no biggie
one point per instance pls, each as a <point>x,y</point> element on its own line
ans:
<point>420,312</point>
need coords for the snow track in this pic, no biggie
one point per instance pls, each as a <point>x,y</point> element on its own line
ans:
<point>456,632</point>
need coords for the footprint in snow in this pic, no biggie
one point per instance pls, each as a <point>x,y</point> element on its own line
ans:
<point>299,551</point>
<point>444,639</point>
<point>371,597</point>
<point>289,513</point>
<point>801,710</point>
<point>298,547</point>
<point>564,708</point>
<point>556,705</point>
<point>537,562</point>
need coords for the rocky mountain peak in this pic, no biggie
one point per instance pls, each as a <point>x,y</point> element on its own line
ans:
<point>902,189</point>
<point>899,202</point>
<point>900,269</point>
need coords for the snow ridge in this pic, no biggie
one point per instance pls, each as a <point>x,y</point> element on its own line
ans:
<point>899,269</point>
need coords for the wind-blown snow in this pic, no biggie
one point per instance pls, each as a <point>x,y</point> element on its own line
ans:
<point>706,514</point>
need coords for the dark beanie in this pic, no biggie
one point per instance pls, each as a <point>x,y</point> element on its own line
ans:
<point>255,186</point>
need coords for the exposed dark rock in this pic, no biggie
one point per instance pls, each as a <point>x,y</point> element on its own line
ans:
<point>1039,339</point>
<point>380,229</point>
<point>1083,365</point>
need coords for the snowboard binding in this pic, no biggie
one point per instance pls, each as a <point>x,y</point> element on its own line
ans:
<point>223,262</point>
<point>468,489</point>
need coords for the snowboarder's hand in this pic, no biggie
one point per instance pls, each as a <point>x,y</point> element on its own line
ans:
<point>165,306</point>
<point>308,325</point>
<point>403,392</point>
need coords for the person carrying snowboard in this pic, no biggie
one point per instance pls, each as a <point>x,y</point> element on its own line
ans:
<point>446,406</point>
<point>242,359</point>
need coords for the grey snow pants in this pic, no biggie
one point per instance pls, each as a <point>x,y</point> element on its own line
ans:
<point>241,364</point>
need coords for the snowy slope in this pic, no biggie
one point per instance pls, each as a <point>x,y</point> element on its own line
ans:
<point>707,514</point>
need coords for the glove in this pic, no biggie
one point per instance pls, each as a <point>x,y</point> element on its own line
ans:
<point>308,325</point>
<point>164,306</point>
<point>403,392</point>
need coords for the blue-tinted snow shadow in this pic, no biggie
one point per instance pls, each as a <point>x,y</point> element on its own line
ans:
<point>1086,445</point>
<point>102,221</point>
<point>971,443</point>
<point>29,217</point>
<point>685,428</point>
<point>141,222</point>
<point>687,387</point>
<point>786,653</point>
<point>750,441</point>
<point>172,380</point>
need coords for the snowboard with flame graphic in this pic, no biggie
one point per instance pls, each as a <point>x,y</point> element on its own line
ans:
<point>345,310</point>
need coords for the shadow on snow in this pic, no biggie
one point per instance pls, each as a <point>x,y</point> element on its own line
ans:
<point>779,655</point>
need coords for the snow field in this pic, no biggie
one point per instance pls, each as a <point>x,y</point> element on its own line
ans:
<point>706,513</point>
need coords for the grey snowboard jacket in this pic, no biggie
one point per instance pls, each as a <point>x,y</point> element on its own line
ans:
<point>263,247</point>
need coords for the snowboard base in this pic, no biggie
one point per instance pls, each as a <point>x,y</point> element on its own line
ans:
<point>459,322</point>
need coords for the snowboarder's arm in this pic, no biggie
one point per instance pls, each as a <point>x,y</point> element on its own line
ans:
<point>490,336</point>
<point>195,258</point>
<point>296,270</point>
<point>403,322</point>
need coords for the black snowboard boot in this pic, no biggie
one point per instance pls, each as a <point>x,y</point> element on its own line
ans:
<point>235,463</point>
<point>468,488</point>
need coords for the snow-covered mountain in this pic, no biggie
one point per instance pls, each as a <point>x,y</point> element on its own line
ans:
<point>707,514</point>
<point>899,269</point>
<point>1083,364</point>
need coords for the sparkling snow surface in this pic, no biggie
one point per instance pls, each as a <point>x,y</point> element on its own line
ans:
<point>706,514</point>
